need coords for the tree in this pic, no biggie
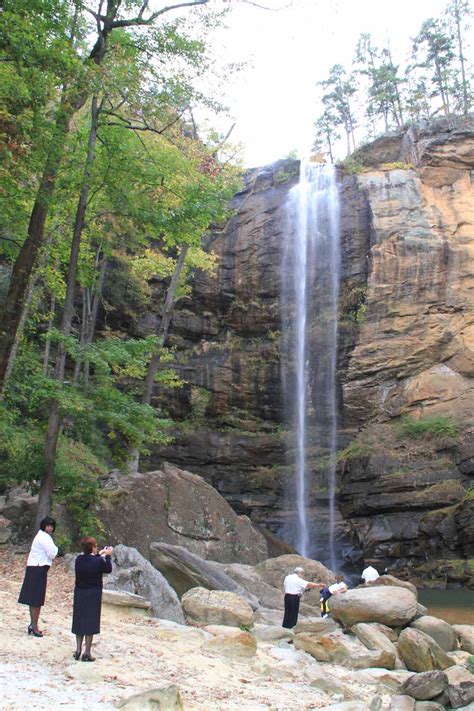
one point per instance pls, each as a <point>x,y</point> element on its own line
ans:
<point>435,45</point>
<point>384,100</point>
<point>458,12</point>
<point>326,133</point>
<point>74,96</point>
<point>339,90</point>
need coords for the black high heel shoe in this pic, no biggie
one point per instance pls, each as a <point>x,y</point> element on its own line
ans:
<point>87,658</point>
<point>76,655</point>
<point>35,634</point>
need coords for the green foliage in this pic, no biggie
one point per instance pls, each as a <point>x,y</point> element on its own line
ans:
<point>77,470</point>
<point>397,165</point>
<point>200,399</point>
<point>354,450</point>
<point>437,79</point>
<point>77,473</point>
<point>351,165</point>
<point>425,427</point>
<point>352,304</point>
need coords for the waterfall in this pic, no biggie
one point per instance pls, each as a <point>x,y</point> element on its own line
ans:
<point>311,266</point>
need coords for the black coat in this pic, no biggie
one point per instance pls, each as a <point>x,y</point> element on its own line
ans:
<point>88,593</point>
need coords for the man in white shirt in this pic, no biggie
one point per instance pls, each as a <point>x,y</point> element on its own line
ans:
<point>294,586</point>
<point>369,574</point>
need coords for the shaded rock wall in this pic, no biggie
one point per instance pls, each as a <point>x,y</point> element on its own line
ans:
<point>405,346</point>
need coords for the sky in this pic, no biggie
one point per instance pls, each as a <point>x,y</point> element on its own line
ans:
<point>274,100</point>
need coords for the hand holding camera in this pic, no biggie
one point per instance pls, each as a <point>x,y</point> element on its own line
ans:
<point>108,550</point>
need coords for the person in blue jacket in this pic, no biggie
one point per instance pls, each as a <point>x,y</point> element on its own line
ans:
<point>90,567</point>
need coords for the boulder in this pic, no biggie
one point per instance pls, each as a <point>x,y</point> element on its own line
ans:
<point>331,647</point>
<point>185,570</point>
<point>374,604</point>
<point>249,578</point>
<point>5,530</point>
<point>369,660</point>
<point>316,625</point>
<point>421,610</point>
<point>234,644</point>
<point>374,639</point>
<point>274,570</point>
<point>401,703</point>
<point>348,706</point>
<point>388,679</point>
<point>460,658</point>
<point>426,685</point>
<point>177,507</point>
<point>134,574</point>
<point>465,635</point>
<point>420,652</point>
<point>162,698</point>
<point>460,686</point>
<point>395,582</point>
<point>439,630</point>
<point>428,706</point>
<point>390,633</point>
<point>268,633</point>
<point>328,684</point>
<point>125,599</point>
<point>203,607</point>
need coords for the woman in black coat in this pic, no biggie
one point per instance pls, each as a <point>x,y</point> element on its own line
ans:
<point>90,567</point>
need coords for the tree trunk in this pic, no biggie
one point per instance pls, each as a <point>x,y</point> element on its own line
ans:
<point>47,347</point>
<point>26,260</point>
<point>133,459</point>
<point>457,16</point>
<point>54,422</point>
<point>92,320</point>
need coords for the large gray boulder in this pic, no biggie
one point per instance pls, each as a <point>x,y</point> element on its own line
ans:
<point>177,507</point>
<point>374,604</point>
<point>162,698</point>
<point>274,570</point>
<point>266,585</point>
<point>374,639</point>
<point>248,577</point>
<point>331,647</point>
<point>391,581</point>
<point>334,647</point>
<point>420,652</point>
<point>465,635</point>
<point>185,570</point>
<point>439,630</point>
<point>216,607</point>
<point>401,702</point>
<point>426,685</point>
<point>134,574</point>
<point>460,686</point>
<point>235,644</point>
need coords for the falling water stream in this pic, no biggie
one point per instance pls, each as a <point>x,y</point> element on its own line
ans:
<point>311,286</point>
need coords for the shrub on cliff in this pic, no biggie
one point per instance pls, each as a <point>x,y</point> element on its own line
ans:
<point>436,426</point>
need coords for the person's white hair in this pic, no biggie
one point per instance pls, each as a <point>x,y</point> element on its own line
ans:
<point>299,570</point>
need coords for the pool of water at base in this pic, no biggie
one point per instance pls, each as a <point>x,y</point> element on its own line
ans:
<point>455,606</point>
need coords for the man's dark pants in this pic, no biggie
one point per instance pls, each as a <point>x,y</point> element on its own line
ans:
<point>292,607</point>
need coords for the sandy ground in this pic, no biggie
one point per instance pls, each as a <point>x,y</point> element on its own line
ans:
<point>137,654</point>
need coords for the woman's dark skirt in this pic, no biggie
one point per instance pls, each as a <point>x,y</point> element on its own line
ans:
<point>33,590</point>
<point>86,611</point>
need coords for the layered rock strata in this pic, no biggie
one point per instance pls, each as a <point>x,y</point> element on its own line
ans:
<point>405,348</point>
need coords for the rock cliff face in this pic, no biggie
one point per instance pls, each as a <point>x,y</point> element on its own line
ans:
<point>406,341</point>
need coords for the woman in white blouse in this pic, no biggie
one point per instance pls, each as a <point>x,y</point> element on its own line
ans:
<point>33,591</point>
